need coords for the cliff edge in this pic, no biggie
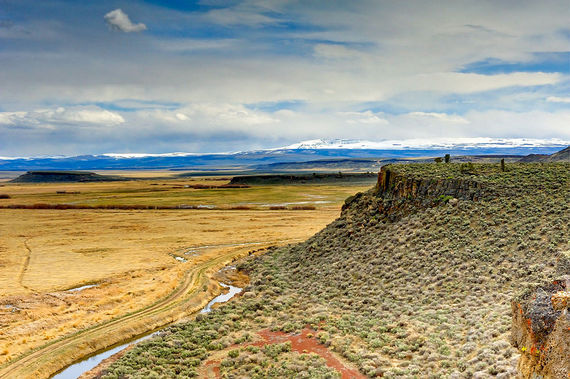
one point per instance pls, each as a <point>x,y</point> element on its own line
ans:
<point>541,326</point>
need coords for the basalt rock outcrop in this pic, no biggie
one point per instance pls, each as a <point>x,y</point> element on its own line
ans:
<point>397,186</point>
<point>541,326</point>
<point>397,194</point>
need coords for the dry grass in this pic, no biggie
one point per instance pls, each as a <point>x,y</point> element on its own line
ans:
<point>176,193</point>
<point>43,253</point>
<point>110,248</point>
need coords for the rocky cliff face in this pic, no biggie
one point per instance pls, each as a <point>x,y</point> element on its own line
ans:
<point>398,186</point>
<point>398,194</point>
<point>541,326</point>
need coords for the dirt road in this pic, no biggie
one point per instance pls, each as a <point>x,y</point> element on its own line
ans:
<point>190,296</point>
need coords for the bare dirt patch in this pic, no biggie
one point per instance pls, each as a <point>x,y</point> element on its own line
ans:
<point>303,342</point>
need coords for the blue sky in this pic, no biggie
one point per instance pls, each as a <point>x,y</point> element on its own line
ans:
<point>154,76</point>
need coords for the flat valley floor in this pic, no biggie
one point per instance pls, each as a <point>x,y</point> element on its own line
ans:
<point>65,270</point>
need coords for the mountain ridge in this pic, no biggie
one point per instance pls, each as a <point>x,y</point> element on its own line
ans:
<point>349,144</point>
<point>302,152</point>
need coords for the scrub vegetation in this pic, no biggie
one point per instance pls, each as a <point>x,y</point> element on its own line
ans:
<point>45,253</point>
<point>405,291</point>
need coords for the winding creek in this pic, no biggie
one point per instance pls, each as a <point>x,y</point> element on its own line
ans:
<point>77,369</point>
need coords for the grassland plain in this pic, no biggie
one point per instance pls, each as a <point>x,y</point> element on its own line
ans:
<point>45,253</point>
<point>404,287</point>
<point>176,193</point>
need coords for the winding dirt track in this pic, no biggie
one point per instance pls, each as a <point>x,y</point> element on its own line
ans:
<point>185,299</point>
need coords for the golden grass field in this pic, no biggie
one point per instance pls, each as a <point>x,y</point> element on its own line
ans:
<point>172,192</point>
<point>130,255</point>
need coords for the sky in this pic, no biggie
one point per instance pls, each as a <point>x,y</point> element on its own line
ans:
<point>90,77</point>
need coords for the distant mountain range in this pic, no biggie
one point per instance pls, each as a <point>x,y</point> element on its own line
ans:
<point>301,152</point>
<point>430,144</point>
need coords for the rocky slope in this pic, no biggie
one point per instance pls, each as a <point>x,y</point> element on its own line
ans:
<point>541,326</point>
<point>414,279</point>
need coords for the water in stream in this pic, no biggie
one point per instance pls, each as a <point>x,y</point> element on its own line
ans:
<point>77,369</point>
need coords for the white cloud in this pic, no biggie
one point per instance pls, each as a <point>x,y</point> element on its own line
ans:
<point>366,117</point>
<point>51,118</point>
<point>443,117</point>
<point>556,99</point>
<point>182,117</point>
<point>119,20</point>
<point>332,51</point>
<point>208,117</point>
<point>534,123</point>
<point>455,82</point>
<point>192,44</point>
<point>233,17</point>
<point>230,114</point>
<point>211,119</point>
<point>251,13</point>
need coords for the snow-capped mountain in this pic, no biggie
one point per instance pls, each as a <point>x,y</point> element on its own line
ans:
<point>144,155</point>
<point>300,152</point>
<point>428,144</point>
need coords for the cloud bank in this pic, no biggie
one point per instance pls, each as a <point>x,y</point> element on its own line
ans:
<point>219,76</point>
<point>53,118</point>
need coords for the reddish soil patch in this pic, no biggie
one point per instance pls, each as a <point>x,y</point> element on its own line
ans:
<point>299,343</point>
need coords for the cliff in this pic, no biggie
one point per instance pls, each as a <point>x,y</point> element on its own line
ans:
<point>399,193</point>
<point>541,326</point>
<point>396,186</point>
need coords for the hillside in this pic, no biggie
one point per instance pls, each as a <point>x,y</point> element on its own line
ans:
<point>63,176</point>
<point>414,279</point>
<point>559,156</point>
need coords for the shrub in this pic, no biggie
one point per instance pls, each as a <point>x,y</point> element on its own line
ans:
<point>467,168</point>
<point>233,353</point>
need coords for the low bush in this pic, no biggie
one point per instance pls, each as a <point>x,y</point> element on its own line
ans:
<point>303,208</point>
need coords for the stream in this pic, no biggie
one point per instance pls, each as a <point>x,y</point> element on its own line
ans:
<point>77,369</point>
